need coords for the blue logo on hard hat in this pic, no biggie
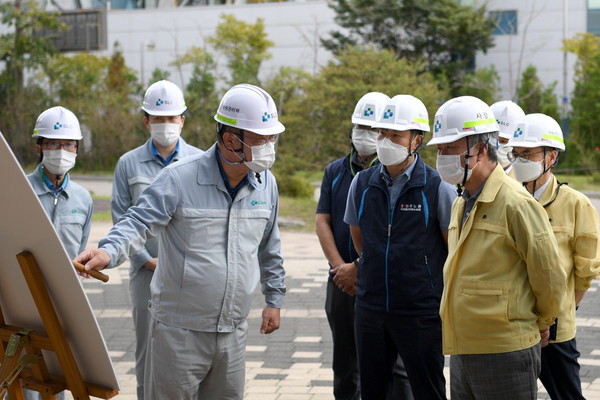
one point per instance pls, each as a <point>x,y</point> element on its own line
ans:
<point>368,112</point>
<point>388,114</point>
<point>57,126</point>
<point>159,102</point>
<point>518,132</point>
<point>437,126</point>
<point>266,117</point>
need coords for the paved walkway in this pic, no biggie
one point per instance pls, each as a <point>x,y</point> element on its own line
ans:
<point>293,363</point>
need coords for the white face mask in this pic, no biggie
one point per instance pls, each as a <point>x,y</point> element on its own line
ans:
<point>390,153</point>
<point>502,155</point>
<point>365,141</point>
<point>263,157</point>
<point>58,162</point>
<point>165,134</point>
<point>527,171</point>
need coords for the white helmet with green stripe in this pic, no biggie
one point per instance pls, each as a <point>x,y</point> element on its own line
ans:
<point>249,108</point>
<point>403,112</point>
<point>537,130</point>
<point>461,117</point>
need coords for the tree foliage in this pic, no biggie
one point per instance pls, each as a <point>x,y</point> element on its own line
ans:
<point>245,46</point>
<point>534,97</point>
<point>99,90</point>
<point>585,114</point>
<point>483,84</point>
<point>442,33</point>
<point>21,51</point>
<point>318,122</point>
<point>201,97</point>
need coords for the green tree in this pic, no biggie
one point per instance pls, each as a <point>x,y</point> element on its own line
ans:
<point>245,46</point>
<point>158,75</point>
<point>534,97</point>
<point>99,90</point>
<point>585,114</point>
<point>443,33</point>
<point>201,97</point>
<point>483,84</point>
<point>21,51</point>
<point>318,122</point>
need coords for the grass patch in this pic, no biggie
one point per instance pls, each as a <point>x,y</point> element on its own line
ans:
<point>102,216</point>
<point>584,183</point>
<point>289,207</point>
<point>300,209</point>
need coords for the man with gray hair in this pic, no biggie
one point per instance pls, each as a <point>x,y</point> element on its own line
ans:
<point>503,282</point>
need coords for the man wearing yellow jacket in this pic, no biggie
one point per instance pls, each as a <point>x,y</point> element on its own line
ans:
<point>537,140</point>
<point>503,282</point>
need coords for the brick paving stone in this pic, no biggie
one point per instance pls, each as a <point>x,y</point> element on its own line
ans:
<point>273,369</point>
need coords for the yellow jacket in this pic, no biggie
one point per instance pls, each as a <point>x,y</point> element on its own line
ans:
<point>502,278</point>
<point>574,221</point>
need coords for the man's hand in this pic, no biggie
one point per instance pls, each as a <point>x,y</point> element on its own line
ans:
<point>270,320</point>
<point>545,334</point>
<point>345,276</point>
<point>151,264</point>
<point>93,259</point>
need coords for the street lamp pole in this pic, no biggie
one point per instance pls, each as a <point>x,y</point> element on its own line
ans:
<point>149,44</point>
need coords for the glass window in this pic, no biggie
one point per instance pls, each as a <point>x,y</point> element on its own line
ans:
<point>506,22</point>
<point>593,17</point>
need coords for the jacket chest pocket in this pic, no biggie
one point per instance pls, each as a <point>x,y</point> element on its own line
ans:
<point>137,185</point>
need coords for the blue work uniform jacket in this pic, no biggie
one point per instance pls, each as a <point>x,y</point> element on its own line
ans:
<point>403,249</point>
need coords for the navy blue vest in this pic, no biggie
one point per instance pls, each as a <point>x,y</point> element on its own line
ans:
<point>336,184</point>
<point>403,250</point>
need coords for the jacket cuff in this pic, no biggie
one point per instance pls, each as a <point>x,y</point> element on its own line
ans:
<point>274,300</point>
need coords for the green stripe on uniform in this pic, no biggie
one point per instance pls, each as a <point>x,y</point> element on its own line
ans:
<point>471,124</point>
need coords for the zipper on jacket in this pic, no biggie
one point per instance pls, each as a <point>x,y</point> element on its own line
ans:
<point>428,271</point>
<point>387,252</point>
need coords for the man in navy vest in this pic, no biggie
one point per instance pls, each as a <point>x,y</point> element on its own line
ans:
<point>398,214</point>
<point>334,236</point>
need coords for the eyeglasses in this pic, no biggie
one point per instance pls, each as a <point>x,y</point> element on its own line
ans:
<point>523,156</point>
<point>70,146</point>
<point>262,140</point>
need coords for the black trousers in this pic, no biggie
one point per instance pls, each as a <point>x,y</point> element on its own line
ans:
<point>560,371</point>
<point>339,308</point>
<point>380,337</point>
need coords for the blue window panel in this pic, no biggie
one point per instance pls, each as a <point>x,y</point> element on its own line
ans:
<point>506,22</point>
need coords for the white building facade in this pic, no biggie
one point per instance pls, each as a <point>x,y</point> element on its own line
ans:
<point>530,32</point>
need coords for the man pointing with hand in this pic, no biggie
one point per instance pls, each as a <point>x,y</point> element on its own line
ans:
<point>217,217</point>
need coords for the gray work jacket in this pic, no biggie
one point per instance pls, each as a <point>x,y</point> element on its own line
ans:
<point>212,251</point>
<point>70,211</point>
<point>134,172</point>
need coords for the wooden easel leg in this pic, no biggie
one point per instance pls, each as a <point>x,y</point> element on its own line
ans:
<point>42,300</point>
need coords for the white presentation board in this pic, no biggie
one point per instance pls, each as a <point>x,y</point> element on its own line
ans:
<point>25,226</point>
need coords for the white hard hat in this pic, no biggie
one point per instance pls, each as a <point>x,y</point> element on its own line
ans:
<point>57,123</point>
<point>461,117</point>
<point>507,115</point>
<point>249,108</point>
<point>164,98</point>
<point>536,130</point>
<point>403,113</point>
<point>368,108</point>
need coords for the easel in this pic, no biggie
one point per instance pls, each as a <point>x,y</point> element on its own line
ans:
<point>14,374</point>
